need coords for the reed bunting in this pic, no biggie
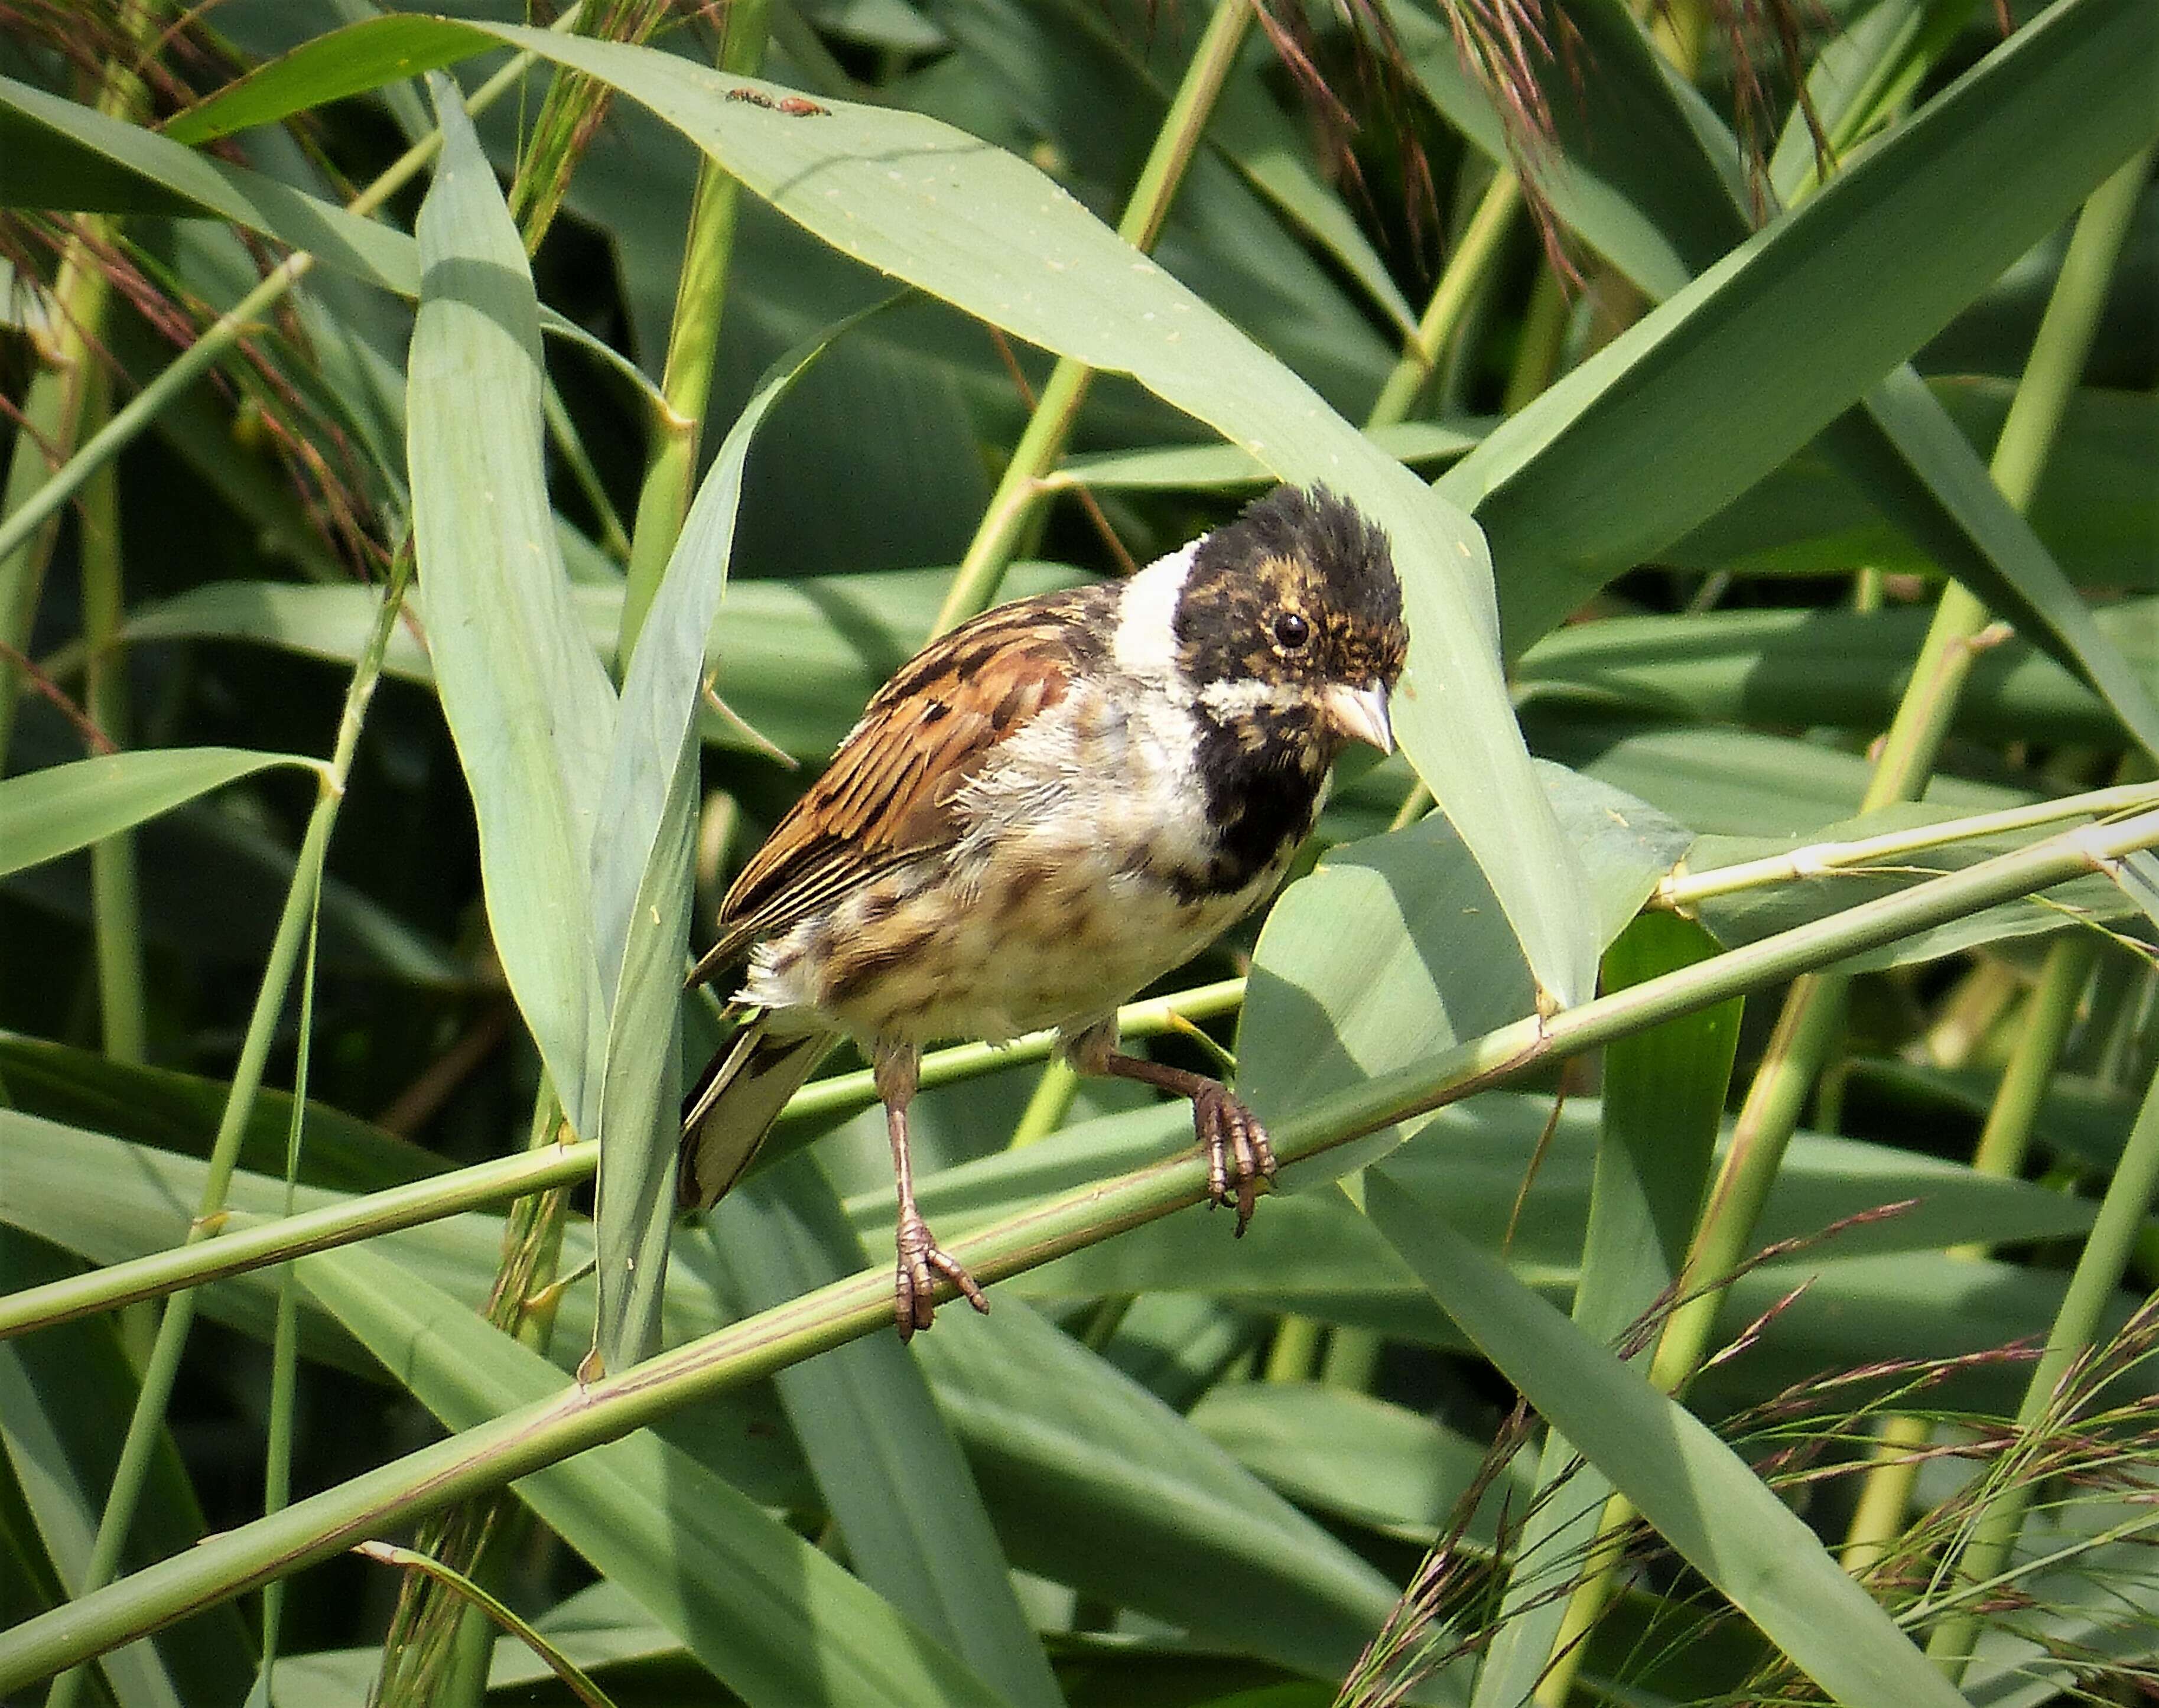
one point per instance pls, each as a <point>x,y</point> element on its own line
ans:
<point>1044,811</point>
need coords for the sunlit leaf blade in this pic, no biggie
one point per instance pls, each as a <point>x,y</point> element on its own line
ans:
<point>1702,1498</point>
<point>1840,668</point>
<point>1853,241</point>
<point>897,1486</point>
<point>640,889</point>
<point>1664,1099</point>
<point>986,232</point>
<point>1905,453</point>
<point>65,1397</point>
<point>1394,949</point>
<point>46,814</point>
<point>1097,1483</point>
<point>531,709</point>
<point>140,168</point>
<point>1343,1452</point>
<point>780,1622</point>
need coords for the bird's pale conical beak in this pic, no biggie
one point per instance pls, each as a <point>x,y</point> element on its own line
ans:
<point>1361,714</point>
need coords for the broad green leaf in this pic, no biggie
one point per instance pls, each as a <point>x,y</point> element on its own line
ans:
<point>135,169</point>
<point>46,814</point>
<point>1269,147</point>
<point>1702,1498</point>
<point>1838,668</point>
<point>2093,511</point>
<point>1744,916</point>
<point>1394,949</point>
<point>64,1399</point>
<point>797,659</point>
<point>988,233</point>
<point>1532,484</point>
<point>2083,1121</point>
<point>1203,468</point>
<point>529,708</point>
<point>1664,1091</point>
<point>1353,1457</point>
<point>1096,1483</point>
<point>176,1112</point>
<point>1906,455</point>
<point>640,889</point>
<point>778,1621</point>
<point>1716,779</point>
<point>893,1477</point>
<point>1309,1245</point>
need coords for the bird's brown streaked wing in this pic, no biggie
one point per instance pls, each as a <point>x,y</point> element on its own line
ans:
<point>888,797</point>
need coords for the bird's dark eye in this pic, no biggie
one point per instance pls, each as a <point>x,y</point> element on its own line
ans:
<point>1292,631</point>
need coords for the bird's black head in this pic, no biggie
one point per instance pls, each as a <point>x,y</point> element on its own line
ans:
<point>1290,620</point>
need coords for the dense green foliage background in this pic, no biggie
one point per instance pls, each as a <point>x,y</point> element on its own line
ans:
<point>360,567</point>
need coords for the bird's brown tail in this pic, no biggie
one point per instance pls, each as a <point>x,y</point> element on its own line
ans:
<point>733,1105</point>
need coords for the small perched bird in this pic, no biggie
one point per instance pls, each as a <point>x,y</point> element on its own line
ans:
<point>1045,811</point>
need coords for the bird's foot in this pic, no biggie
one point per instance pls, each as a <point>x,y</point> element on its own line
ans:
<point>922,1261</point>
<point>1239,1157</point>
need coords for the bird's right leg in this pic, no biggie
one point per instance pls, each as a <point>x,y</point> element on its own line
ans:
<point>922,1261</point>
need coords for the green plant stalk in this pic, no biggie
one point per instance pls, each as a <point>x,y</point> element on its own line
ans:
<point>1295,1350</point>
<point>1890,81</point>
<point>1466,270</point>
<point>584,1415</point>
<point>1544,342</point>
<point>693,343</point>
<point>285,1337</point>
<point>2099,1271</point>
<point>1885,1495</point>
<point>577,1680</point>
<point>26,517</point>
<point>1353,1359</point>
<point>1050,1102</point>
<point>256,1242</point>
<point>2006,1137</point>
<point>613,540</point>
<point>1923,720</point>
<point>1683,889</point>
<point>115,901</point>
<point>147,1423</point>
<point>2020,456</point>
<point>548,1165</point>
<point>574,105</point>
<point>1813,1011</point>
<point>1042,444</point>
<point>64,394</point>
<point>432,1652</point>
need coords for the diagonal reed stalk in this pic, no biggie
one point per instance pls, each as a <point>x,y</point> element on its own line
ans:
<point>486,1458</point>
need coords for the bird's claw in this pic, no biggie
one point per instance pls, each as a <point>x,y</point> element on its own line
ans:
<point>1239,1157</point>
<point>922,1261</point>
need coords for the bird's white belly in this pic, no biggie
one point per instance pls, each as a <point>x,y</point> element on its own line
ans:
<point>1054,906</point>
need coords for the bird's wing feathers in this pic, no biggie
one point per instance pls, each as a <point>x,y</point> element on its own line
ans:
<point>889,795</point>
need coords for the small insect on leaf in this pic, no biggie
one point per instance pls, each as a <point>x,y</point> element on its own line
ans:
<point>796,107</point>
<point>754,98</point>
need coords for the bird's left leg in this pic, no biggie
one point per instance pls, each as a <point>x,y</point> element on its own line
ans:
<point>1239,1157</point>
<point>894,1067</point>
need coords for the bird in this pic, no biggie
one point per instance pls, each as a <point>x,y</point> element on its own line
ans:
<point>1046,809</point>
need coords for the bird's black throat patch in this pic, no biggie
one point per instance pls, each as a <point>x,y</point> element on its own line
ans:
<point>1261,796</point>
